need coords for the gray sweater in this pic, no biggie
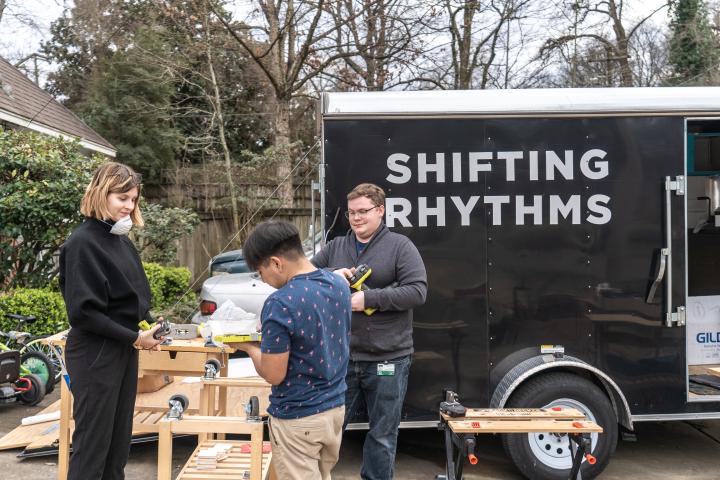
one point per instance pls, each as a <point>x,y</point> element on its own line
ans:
<point>398,284</point>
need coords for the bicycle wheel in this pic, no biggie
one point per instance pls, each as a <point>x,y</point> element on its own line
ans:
<point>39,364</point>
<point>37,345</point>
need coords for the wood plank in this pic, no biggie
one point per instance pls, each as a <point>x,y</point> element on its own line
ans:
<point>195,345</point>
<point>519,414</point>
<point>232,467</point>
<point>238,382</point>
<point>714,371</point>
<point>23,435</point>
<point>524,426</point>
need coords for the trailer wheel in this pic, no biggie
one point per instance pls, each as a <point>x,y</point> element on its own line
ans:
<point>547,456</point>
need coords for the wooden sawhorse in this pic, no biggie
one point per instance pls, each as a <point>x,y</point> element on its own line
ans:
<point>461,432</point>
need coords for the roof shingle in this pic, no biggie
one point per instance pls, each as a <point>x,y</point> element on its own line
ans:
<point>23,98</point>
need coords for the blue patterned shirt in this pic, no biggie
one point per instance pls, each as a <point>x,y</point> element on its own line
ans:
<point>310,318</point>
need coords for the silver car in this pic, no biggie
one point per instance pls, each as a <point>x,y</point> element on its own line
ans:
<point>231,280</point>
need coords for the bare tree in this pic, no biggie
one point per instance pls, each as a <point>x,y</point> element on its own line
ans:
<point>15,14</point>
<point>590,24</point>
<point>473,44</point>
<point>378,38</point>
<point>196,62</point>
<point>292,42</point>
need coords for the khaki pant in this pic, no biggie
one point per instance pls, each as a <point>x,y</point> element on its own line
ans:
<point>306,448</point>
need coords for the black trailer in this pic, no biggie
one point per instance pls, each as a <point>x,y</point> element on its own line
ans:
<point>571,244</point>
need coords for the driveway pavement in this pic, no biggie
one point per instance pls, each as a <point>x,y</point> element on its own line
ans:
<point>672,450</point>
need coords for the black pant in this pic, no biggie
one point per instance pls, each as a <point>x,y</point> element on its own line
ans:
<point>103,379</point>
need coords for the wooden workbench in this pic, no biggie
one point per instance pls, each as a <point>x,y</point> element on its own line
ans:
<point>182,358</point>
<point>458,430</point>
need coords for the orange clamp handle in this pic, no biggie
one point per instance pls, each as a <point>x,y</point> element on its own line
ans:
<point>591,459</point>
<point>577,424</point>
<point>472,459</point>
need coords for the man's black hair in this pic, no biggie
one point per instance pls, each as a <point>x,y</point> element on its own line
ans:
<point>272,238</point>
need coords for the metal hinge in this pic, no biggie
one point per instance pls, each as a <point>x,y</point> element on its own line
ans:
<point>677,185</point>
<point>677,318</point>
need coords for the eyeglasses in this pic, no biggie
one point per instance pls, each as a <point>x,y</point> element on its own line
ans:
<point>359,213</point>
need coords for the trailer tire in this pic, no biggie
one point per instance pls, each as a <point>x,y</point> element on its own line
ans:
<point>541,456</point>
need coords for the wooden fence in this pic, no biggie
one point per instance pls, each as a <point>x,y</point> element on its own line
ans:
<point>211,201</point>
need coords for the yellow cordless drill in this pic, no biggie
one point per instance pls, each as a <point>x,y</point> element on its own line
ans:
<point>362,272</point>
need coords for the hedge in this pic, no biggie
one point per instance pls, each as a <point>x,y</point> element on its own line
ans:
<point>167,284</point>
<point>48,306</point>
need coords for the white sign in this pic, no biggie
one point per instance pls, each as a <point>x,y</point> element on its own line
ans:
<point>703,330</point>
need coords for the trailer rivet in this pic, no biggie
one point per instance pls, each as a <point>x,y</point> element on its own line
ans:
<point>588,262</point>
<point>490,264</point>
<point>490,288</point>
<point>489,187</point>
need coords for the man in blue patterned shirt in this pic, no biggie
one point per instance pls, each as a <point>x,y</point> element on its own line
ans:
<point>303,353</point>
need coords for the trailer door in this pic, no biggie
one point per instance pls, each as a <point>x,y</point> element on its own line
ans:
<point>703,259</point>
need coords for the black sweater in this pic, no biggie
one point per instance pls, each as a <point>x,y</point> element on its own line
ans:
<point>103,282</point>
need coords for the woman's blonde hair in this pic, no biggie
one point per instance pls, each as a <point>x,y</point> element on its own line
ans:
<point>110,178</point>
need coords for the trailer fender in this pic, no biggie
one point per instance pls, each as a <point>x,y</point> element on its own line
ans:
<point>546,363</point>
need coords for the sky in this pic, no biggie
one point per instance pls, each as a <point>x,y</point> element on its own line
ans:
<point>17,39</point>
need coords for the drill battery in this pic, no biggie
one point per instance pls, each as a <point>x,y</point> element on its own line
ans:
<point>362,272</point>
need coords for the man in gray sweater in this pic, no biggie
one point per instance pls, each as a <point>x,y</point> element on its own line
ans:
<point>381,344</point>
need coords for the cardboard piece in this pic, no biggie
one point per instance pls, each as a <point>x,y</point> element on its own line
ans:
<point>153,383</point>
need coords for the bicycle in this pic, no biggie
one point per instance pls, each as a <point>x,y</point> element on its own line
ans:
<point>33,359</point>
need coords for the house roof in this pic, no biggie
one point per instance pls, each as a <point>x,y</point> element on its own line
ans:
<point>25,104</point>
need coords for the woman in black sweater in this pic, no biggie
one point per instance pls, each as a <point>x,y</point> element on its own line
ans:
<point>106,294</point>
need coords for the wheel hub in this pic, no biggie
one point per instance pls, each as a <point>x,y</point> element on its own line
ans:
<point>553,449</point>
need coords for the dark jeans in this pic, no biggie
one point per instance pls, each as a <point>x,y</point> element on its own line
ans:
<point>383,396</point>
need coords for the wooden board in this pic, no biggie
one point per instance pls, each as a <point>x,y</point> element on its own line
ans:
<point>23,435</point>
<point>518,414</point>
<point>233,467</point>
<point>703,370</point>
<point>195,345</point>
<point>524,426</point>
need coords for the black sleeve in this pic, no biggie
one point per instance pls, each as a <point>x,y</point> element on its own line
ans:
<point>85,289</point>
<point>322,258</point>
<point>411,279</point>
